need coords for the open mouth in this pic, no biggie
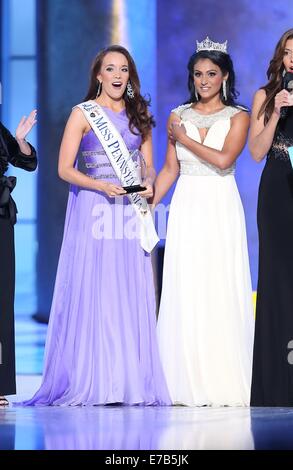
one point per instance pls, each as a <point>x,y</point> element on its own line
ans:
<point>117,85</point>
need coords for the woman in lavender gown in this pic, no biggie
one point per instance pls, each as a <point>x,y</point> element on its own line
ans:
<point>101,346</point>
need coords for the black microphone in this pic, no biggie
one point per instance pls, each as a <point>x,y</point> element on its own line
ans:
<point>287,85</point>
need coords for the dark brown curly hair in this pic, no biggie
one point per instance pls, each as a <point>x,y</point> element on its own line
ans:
<point>274,74</point>
<point>136,108</point>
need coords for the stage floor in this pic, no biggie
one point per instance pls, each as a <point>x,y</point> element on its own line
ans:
<point>129,428</point>
<point>140,428</point>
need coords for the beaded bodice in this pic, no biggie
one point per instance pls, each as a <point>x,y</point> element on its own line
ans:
<point>218,125</point>
<point>93,160</point>
<point>279,148</point>
<point>283,139</point>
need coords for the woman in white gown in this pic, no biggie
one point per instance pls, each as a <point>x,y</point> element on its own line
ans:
<point>205,324</point>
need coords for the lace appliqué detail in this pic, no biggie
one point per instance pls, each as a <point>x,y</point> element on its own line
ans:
<point>279,148</point>
<point>206,121</point>
<point>180,109</point>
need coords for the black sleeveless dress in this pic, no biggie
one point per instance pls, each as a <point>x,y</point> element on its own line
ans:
<point>272,377</point>
<point>9,153</point>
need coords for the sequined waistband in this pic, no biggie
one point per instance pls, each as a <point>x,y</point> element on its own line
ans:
<point>103,177</point>
<point>204,169</point>
<point>92,156</point>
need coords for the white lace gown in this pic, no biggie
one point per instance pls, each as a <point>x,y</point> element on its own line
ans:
<point>205,325</point>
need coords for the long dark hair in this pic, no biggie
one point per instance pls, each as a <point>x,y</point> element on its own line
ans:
<point>225,63</point>
<point>136,108</point>
<point>274,74</point>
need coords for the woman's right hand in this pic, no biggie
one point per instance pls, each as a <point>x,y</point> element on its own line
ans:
<point>175,120</point>
<point>112,190</point>
<point>283,98</point>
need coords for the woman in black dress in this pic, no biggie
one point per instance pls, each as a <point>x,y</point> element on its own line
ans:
<point>272,134</point>
<point>20,154</point>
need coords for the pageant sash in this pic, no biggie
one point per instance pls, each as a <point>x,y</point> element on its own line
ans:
<point>123,166</point>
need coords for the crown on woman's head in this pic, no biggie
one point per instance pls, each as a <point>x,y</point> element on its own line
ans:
<point>208,45</point>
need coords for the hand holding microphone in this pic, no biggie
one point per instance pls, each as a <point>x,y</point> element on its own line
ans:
<point>286,95</point>
<point>288,101</point>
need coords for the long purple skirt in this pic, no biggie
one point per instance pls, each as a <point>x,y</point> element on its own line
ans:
<point>101,346</point>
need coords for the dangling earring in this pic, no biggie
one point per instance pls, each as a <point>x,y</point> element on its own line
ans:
<point>130,92</point>
<point>195,94</point>
<point>284,73</point>
<point>99,90</point>
<point>225,89</point>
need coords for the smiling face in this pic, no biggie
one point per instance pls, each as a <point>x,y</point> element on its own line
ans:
<point>288,56</point>
<point>208,78</point>
<point>114,75</point>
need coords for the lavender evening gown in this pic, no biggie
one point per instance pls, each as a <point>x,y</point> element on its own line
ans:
<point>101,346</point>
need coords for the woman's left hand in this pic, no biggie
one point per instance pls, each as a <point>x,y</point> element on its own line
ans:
<point>290,99</point>
<point>149,192</point>
<point>178,131</point>
<point>25,125</point>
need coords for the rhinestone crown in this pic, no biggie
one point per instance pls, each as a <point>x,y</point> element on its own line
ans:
<point>208,45</point>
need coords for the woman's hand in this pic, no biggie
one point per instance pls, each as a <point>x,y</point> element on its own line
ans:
<point>25,125</point>
<point>178,131</point>
<point>149,191</point>
<point>290,99</point>
<point>283,98</point>
<point>175,119</point>
<point>112,190</point>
